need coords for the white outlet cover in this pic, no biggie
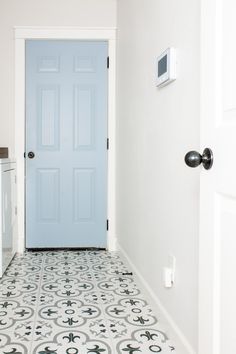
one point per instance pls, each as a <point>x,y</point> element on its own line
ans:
<point>172,265</point>
<point>168,274</point>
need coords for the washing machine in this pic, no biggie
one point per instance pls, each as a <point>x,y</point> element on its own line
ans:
<point>8,212</point>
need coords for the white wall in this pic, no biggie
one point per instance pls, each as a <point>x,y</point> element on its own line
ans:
<point>91,13</point>
<point>158,196</point>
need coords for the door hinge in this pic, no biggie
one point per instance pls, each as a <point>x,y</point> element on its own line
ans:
<point>15,210</point>
<point>108,62</point>
<point>108,142</point>
<point>24,154</point>
<point>107,224</point>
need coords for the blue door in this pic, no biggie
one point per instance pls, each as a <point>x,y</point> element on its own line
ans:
<point>66,144</point>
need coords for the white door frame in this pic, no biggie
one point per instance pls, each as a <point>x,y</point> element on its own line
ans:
<point>76,33</point>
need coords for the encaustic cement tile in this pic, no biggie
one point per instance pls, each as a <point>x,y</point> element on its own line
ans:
<point>69,302</point>
<point>72,342</point>
<point>9,345</point>
<point>19,289</point>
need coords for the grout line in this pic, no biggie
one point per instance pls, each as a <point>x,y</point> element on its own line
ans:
<point>37,302</point>
<point>103,312</point>
<point>117,298</point>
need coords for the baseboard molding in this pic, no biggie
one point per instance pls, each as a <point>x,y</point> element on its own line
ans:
<point>20,244</point>
<point>112,243</point>
<point>173,332</point>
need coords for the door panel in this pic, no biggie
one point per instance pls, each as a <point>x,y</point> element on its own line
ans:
<point>84,120</point>
<point>48,122</point>
<point>66,128</point>
<point>48,195</point>
<point>84,190</point>
<point>227,310</point>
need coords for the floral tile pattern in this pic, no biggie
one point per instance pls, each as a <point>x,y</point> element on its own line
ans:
<point>75,302</point>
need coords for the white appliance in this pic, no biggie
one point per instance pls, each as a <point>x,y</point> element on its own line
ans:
<point>8,211</point>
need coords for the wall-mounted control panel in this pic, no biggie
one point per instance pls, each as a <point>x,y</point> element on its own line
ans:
<point>166,67</point>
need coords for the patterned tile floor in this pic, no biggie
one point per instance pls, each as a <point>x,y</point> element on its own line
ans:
<point>71,302</point>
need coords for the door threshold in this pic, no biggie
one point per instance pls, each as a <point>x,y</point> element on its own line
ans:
<point>52,249</point>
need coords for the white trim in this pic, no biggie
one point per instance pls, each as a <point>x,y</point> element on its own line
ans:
<point>170,327</point>
<point>84,33</point>
<point>23,33</point>
<point>112,146</point>
<point>20,137</point>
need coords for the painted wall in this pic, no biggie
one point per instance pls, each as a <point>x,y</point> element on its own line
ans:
<point>158,196</point>
<point>91,13</point>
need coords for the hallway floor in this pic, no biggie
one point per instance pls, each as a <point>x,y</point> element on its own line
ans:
<point>75,302</point>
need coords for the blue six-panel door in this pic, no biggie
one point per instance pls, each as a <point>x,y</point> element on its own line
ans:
<point>66,128</point>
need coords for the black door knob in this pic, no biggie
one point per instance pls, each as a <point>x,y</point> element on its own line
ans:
<point>31,155</point>
<point>194,159</point>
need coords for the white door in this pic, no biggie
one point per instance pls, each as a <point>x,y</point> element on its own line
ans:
<point>217,306</point>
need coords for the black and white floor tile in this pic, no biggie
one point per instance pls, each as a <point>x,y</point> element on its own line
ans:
<point>75,302</point>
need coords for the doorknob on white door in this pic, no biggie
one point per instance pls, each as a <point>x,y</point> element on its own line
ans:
<point>31,155</point>
<point>194,159</point>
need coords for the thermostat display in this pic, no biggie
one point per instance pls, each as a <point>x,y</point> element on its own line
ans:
<point>162,66</point>
<point>166,67</point>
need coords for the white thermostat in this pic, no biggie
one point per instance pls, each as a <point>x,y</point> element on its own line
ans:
<point>166,67</point>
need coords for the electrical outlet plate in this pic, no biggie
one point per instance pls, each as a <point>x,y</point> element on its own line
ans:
<point>167,277</point>
<point>169,272</point>
<point>172,265</point>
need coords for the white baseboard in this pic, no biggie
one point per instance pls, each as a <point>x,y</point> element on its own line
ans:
<point>171,329</point>
<point>112,243</point>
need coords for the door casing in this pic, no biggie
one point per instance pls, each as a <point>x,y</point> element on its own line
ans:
<point>62,33</point>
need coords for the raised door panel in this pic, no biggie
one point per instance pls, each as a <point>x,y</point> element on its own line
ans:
<point>84,195</point>
<point>84,64</point>
<point>48,118</point>
<point>84,117</point>
<point>48,192</point>
<point>226,263</point>
<point>48,64</point>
